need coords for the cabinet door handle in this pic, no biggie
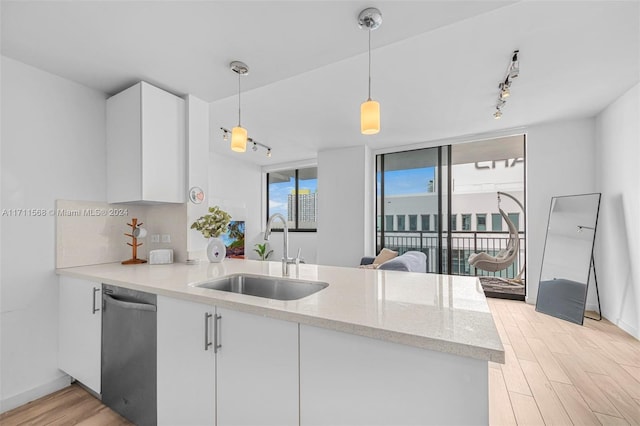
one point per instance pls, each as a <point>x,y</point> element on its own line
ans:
<point>217,332</point>
<point>207,343</point>
<point>95,290</point>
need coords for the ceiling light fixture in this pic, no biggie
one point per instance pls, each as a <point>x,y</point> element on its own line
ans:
<point>238,133</point>
<point>370,19</point>
<point>513,71</point>
<point>505,91</point>
<point>256,144</point>
<point>239,136</point>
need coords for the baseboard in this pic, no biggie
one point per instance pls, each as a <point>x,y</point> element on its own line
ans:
<point>629,329</point>
<point>16,401</point>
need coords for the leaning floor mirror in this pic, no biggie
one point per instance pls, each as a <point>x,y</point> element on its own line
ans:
<point>568,256</point>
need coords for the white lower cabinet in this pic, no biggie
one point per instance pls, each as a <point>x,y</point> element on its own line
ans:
<point>251,379</point>
<point>186,364</point>
<point>257,372</point>
<point>353,380</point>
<point>80,330</point>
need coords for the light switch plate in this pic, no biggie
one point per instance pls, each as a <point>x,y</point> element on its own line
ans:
<point>155,238</point>
<point>166,238</point>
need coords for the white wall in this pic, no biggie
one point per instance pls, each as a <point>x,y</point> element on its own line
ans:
<point>198,170</point>
<point>560,159</point>
<point>236,187</point>
<point>53,146</point>
<point>345,206</point>
<point>618,235</point>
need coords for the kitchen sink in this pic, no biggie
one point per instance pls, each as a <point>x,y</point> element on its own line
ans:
<point>264,286</point>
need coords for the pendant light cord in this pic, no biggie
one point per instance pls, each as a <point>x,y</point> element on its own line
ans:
<point>369,64</point>
<point>239,100</point>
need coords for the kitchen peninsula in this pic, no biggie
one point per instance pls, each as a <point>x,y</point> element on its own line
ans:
<point>374,347</point>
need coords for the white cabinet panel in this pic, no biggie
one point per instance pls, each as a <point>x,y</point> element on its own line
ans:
<point>352,380</point>
<point>186,367</point>
<point>257,370</point>
<point>146,158</point>
<point>80,334</point>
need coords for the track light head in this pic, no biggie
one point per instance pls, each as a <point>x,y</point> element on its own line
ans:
<point>498,114</point>
<point>505,93</point>
<point>269,153</point>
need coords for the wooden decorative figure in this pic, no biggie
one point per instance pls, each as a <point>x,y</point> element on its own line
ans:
<point>136,231</point>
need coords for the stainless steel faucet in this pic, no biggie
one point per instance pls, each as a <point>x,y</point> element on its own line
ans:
<point>286,260</point>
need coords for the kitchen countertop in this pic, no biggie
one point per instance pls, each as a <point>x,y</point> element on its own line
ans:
<point>436,312</point>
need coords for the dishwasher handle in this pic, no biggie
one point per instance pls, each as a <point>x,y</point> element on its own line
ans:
<point>129,305</point>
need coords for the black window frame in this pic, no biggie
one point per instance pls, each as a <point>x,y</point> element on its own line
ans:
<point>297,200</point>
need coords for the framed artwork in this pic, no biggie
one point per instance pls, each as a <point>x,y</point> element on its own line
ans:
<point>233,239</point>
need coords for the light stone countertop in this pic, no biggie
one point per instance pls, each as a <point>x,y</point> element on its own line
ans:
<point>436,312</point>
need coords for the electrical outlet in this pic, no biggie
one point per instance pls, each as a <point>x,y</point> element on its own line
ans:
<point>166,238</point>
<point>155,238</point>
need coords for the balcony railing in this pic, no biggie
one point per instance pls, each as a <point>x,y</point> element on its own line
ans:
<point>463,244</point>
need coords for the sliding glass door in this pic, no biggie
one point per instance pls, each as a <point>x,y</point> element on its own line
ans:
<point>444,202</point>
<point>412,205</point>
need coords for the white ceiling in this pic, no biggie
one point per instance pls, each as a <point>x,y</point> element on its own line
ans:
<point>436,64</point>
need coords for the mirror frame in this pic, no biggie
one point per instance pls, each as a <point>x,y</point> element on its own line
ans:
<point>590,264</point>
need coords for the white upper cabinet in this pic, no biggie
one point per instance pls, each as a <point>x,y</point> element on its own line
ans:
<point>145,146</point>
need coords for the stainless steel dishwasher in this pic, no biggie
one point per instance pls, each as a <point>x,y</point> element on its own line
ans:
<point>129,353</point>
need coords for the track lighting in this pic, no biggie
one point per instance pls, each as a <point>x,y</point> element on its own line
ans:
<point>513,71</point>
<point>514,68</point>
<point>505,92</point>
<point>256,144</point>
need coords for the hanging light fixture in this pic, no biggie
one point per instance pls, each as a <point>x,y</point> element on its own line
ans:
<point>370,19</point>
<point>239,136</point>
<point>238,133</point>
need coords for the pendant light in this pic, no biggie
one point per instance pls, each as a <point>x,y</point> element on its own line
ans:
<point>370,19</point>
<point>239,134</point>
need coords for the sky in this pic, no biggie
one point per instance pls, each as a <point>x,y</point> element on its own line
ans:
<point>409,181</point>
<point>397,182</point>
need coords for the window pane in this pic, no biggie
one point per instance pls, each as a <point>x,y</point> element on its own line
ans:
<point>401,226</point>
<point>496,222</point>
<point>454,220</point>
<point>435,222</point>
<point>388,222</point>
<point>481,222</point>
<point>466,222</point>
<point>425,222</point>
<point>413,222</point>
<point>282,189</point>
<point>308,198</point>
<point>515,218</point>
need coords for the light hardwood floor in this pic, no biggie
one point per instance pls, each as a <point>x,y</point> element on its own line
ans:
<point>561,373</point>
<point>69,406</point>
<point>556,373</point>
